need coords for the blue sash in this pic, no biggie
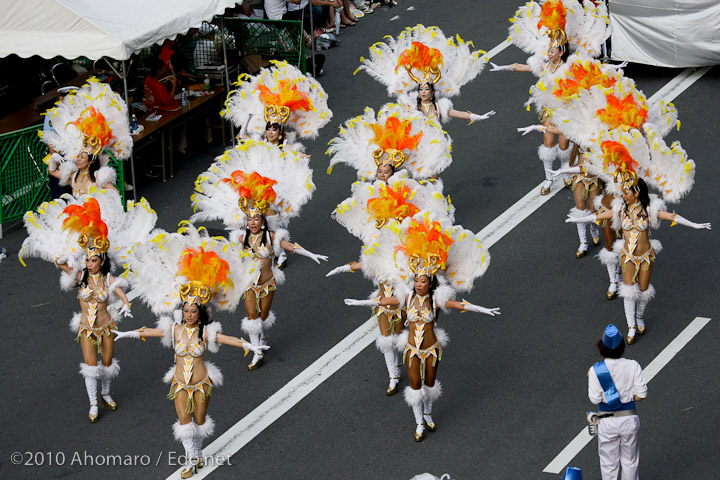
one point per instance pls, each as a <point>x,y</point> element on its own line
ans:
<point>611,394</point>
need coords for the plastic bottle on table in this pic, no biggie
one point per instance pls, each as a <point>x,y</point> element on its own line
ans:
<point>134,123</point>
<point>207,82</point>
<point>184,98</point>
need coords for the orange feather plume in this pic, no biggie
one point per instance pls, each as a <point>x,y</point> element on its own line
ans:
<point>426,240</point>
<point>617,155</point>
<point>395,135</point>
<point>285,94</point>
<point>625,113</point>
<point>392,204</point>
<point>93,124</point>
<point>552,15</point>
<point>85,219</point>
<point>253,187</point>
<point>420,57</point>
<point>205,268</point>
<point>582,76</point>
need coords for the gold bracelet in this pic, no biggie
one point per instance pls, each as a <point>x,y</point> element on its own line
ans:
<point>514,66</point>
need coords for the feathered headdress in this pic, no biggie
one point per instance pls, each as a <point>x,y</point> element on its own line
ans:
<point>553,17</point>
<point>85,219</point>
<point>423,58</point>
<point>206,273</point>
<point>616,155</point>
<point>255,191</point>
<point>392,204</point>
<point>282,100</point>
<point>426,245</point>
<point>393,138</point>
<point>96,131</point>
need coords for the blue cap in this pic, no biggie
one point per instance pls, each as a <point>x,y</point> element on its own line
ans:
<point>612,337</point>
<point>574,473</point>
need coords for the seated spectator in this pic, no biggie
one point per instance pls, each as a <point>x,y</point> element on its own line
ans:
<point>206,49</point>
<point>275,9</point>
<point>156,93</point>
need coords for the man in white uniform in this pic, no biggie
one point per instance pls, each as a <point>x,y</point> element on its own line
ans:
<point>616,384</point>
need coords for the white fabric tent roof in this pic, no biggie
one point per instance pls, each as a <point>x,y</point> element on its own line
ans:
<point>666,33</point>
<point>97,28</point>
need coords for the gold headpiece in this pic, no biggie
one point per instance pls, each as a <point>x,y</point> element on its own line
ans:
<point>393,138</point>
<point>282,100</point>
<point>205,271</point>
<point>423,58</point>
<point>431,263</point>
<point>195,292</point>
<point>91,145</point>
<point>617,155</point>
<point>255,191</point>
<point>277,114</point>
<point>558,38</point>
<point>394,157</point>
<point>93,245</point>
<point>86,219</point>
<point>95,129</point>
<point>425,241</point>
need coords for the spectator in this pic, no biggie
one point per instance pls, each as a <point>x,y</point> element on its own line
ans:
<point>275,9</point>
<point>206,49</point>
<point>156,94</point>
<point>56,190</point>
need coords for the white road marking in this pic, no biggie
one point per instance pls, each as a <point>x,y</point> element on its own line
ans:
<point>679,84</point>
<point>274,407</point>
<point>583,438</point>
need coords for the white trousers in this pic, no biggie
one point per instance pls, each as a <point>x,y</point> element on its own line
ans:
<point>618,447</point>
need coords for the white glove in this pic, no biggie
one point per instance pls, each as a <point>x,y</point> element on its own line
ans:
<point>362,303</point>
<point>560,171</point>
<point>67,259</point>
<point>500,68</point>
<point>469,307</point>
<point>125,310</point>
<point>531,128</point>
<point>55,160</point>
<point>474,117</point>
<point>687,223</point>
<point>61,260</point>
<point>620,65</point>
<point>256,349</point>
<point>130,334</point>
<point>340,269</point>
<point>584,219</point>
<point>307,253</point>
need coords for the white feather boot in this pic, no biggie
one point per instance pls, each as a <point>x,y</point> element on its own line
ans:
<point>642,302</point>
<point>415,399</point>
<point>91,373</point>
<point>386,344</point>
<point>107,373</point>
<point>630,295</point>
<point>186,434</point>
<point>547,157</point>
<point>431,395</point>
<point>203,431</point>
<point>564,157</point>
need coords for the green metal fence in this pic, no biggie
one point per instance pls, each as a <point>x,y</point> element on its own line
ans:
<point>280,39</point>
<point>23,174</point>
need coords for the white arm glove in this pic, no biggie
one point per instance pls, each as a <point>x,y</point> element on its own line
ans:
<point>256,349</point>
<point>55,160</point>
<point>532,128</point>
<point>307,253</point>
<point>469,307</point>
<point>130,334</point>
<point>474,117</point>
<point>584,219</point>
<point>362,303</point>
<point>560,171</point>
<point>687,223</point>
<point>125,310</point>
<point>500,68</point>
<point>619,65</point>
<point>340,269</point>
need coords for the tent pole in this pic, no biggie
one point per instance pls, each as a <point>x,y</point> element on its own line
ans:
<point>227,73</point>
<point>132,159</point>
<point>312,41</point>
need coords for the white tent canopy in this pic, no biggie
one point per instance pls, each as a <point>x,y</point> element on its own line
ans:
<point>97,28</point>
<point>666,33</point>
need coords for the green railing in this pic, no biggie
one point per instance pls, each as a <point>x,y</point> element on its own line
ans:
<point>23,174</point>
<point>281,39</point>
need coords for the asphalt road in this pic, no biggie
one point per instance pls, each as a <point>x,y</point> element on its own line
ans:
<point>515,385</point>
